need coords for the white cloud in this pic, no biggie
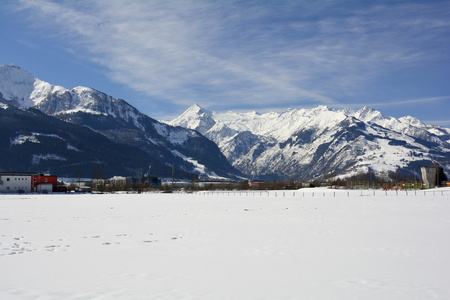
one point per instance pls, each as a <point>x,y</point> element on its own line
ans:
<point>238,52</point>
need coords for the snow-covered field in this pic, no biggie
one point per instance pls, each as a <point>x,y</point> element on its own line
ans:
<point>244,245</point>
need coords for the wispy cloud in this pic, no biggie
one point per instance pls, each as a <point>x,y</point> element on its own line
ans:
<point>443,123</point>
<point>258,53</point>
<point>381,104</point>
<point>414,101</point>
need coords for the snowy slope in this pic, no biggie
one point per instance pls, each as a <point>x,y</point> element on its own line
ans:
<point>310,143</point>
<point>406,125</point>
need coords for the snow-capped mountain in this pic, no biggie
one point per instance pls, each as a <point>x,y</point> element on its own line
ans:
<point>320,142</point>
<point>189,151</point>
<point>21,89</point>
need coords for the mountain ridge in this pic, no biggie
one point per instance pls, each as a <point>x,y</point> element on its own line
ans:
<point>319,142</point>
<point>117,120</point>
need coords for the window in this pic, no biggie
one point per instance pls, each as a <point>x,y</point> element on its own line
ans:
<point>7,179</point>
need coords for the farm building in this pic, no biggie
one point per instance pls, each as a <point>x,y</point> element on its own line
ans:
<point>17,182</point>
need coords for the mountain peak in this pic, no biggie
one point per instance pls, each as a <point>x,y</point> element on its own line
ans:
<point>197,109</point>
<point>16,85</point>
<point>368,114</point>
<point>195,117</point>
<point>13,72</point>
<point>348,111</point>
<point>412,121</point>
<point>11,66</point>
<point>196,106</point>
<point>322,108</point>
<point>22,89</point>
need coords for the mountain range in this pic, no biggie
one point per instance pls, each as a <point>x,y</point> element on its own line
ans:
<point>49,128</point>
<point>321,142</point>
<point>105,133</point>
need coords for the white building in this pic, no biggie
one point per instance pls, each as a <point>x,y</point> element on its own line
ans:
<point>15,183</point>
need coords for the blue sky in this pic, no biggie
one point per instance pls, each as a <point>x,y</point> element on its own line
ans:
<point>164,56</point>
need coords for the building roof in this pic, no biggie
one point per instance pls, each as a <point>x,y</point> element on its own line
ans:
<point>22,174</point>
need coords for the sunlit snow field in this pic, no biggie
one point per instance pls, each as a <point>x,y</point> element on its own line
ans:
<point>305,244</point>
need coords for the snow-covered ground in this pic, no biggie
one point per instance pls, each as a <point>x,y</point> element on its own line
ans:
<point>243,245</point>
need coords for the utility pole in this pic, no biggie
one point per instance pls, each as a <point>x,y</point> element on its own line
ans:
<point>173,174</point>
<point>437,173</point>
